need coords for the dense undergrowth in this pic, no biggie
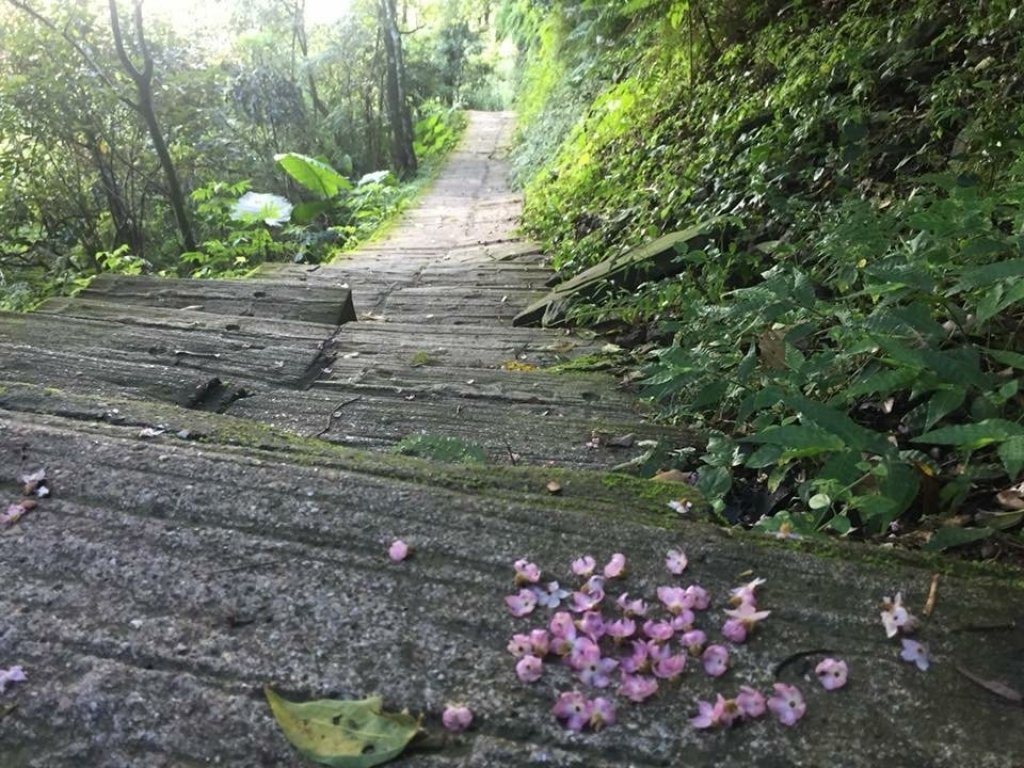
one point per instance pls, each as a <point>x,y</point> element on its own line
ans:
<point>851,337</point>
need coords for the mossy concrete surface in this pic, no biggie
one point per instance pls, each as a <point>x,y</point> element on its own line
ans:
<point>188,556</point>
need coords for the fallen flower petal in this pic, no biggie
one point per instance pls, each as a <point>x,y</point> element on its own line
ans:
<point>398,550</point>
<point>602,713</point>
<point>831,673</point>
<point>716,660</point>
<point>915,653</point>
<point>526,572</point>
<point>584,566</point>
<point>745,593</point>
<point>529,669</point>
<point>631,607</point>
<point>637,688</point>
<point>750,702</point>
<point>676,561</point>
<point>616,566</point>
<point>520,646</point>
<point>13,675</point>
<point>522,604</point>
<point>573,708</point>
<point>895,616</point>
<point>787,704</point>
<point>457,718</point>
<point>698,597</point>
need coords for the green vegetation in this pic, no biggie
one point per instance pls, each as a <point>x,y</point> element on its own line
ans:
<point>851,339</point>
<point>137,141</point>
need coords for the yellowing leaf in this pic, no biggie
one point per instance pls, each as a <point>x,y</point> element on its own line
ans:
<point>518,365</point>
<point>343,734</point>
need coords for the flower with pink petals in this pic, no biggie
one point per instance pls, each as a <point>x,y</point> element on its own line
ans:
<point>592,624</point>
<point>457,718</point>
<point>620,629</point>
<point>522,604</point>
<point>529,669</point>
<point>398,550</point>
<point>694,641</point>
<point>637,687</point>
<point>550,595</point>
<point>584,566</point>
<point>658,630</point>
<point>670,667</point>
<point>676,562</point>
<point>595,670</point>
<point>896,618</point>
<point>787,704</point>
<point>698,597</point>
<point>573,709</point>
<point>750,702</point>
<point>616,567</point>
<point>742,621</point>
<point>540,642</point>
<point>745,593</point>
<point>716,660</point>
<point>707,714</point>
<point>602,713</point>
<point>586,601</point>
<point>13,675</point>
<point>581,649</point>
<point>683,622</point>
<point>520,645</point>
<point>638,661</point>
<point>526,572</point>
<point>674,599</point>
<point>631,607</point>
<point>562,625</point>
<point>915,653</point>
<point>831,673</point>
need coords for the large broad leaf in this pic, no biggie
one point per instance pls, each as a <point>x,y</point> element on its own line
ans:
<point>944,538</point>
<point>973,436</point>
<point>314,175</point>
<point>343,734</point>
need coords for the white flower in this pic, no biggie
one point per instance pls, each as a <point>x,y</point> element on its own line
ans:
<point>273,210</point>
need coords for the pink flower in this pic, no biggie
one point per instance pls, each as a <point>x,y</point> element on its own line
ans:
<point>750,702</point>
<point>631,607</point>
<point>584,566</point>
<point>742,621</point>
<point>522,604</point>
<point>526,572</point>
<point>13,675</point>
<point>637,688</point>
<point>562,625</point>
<point>896,618</point>
<point>676,561</point>
<point>457,718</point>
<point>915,653</point>
<point>638,661</point>
<point>602,713</point>
<point>520,645</point>
<point>596,671</point>
<point>831,674</point>
<point>708,714</point>
<point>529,669</point>
<point>674,599</point>
<point>693,641</point>
<point>540,642</point>
<point>398,550</point>
<point>787,704</point>
<point>621,629</point>
<point>734,631</point>
<point>670,667</point>
<point>658,630</point>
<point>683,622</point>
<point>584,601</point>
<point>716,660</point>
<point>680,506</point>
<point>616,566</point>
<point>698,597</point>
<point>573,708</point>
<point>582,649</point>
<point>745,593</point>
<point>592,624</point>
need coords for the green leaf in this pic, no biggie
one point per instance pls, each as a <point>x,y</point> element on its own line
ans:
<point>799,437</point>
<point>450,450</point>
<point>973,436</point>
<point>942,403</point>
<point>343,734</point>
<point>944,538</point>
<point>838,423</point>
<point>1006,357</point>
<point>314,175</point>
<point>309,210</point>
<point>1011,453</point>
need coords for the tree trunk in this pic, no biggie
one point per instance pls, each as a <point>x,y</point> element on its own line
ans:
<point>143,80</point>
<point>403,157</point>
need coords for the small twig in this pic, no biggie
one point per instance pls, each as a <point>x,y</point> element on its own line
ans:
<point>511,455</point>
<point>997,627</point>
<point>933,591</point>
<point>335,414</point>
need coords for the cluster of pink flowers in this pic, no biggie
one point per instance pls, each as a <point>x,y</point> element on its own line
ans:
<point>641,646</point>
<point>898,620</point>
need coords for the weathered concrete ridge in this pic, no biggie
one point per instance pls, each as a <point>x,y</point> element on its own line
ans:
<point>191,554</point>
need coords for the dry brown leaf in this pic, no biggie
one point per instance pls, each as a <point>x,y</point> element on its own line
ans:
<point>1011,498</point>
<point>673,476</point>
<point>993,686</point>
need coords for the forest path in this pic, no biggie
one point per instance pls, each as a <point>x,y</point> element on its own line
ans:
<point>188,553</point>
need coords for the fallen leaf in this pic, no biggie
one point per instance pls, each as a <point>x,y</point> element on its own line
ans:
<point>343,734</point>
<point>518,365</point>
<point>1011,498</point>
<point>994,686</point>
<point>933,591</point>
<point>33,481</point>
<point>553,487</point>
<point>622,441</point>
